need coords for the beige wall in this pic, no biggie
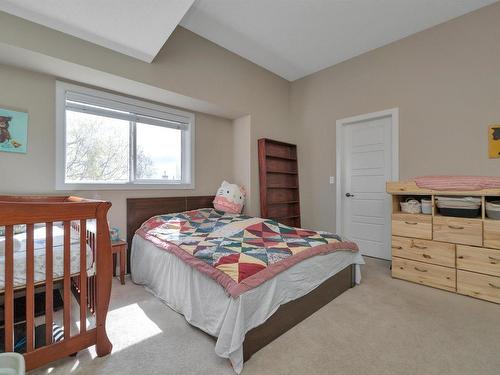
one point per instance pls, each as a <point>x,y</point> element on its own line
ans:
<point>446,83</point>
<point>34,172</point>
<point>242,149</point>
<point>444,80</point>
<point>188,64</point>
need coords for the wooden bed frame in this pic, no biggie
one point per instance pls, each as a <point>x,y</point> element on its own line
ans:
<point>288,315</point>
<point>93,291</point>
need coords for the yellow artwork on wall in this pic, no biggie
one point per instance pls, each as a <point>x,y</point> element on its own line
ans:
<point>494,141</point>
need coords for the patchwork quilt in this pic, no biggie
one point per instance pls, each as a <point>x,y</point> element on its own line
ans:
<point>238,251</point>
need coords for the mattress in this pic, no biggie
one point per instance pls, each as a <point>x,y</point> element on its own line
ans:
<point>206,305</point>
<point>40,258</point>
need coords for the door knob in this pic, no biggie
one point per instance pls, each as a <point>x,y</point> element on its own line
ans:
<point>349,195</point>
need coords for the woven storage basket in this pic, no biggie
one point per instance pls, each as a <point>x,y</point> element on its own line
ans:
<point>411,206</point>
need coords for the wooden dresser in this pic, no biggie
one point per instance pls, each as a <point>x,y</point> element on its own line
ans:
<point>461,255</point>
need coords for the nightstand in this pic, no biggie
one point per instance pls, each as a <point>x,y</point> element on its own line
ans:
<point>119,247</point>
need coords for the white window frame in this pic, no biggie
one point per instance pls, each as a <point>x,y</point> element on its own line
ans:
<point>188,140</point>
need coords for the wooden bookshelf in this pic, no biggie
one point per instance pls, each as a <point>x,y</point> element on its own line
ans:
<point>279,182</point>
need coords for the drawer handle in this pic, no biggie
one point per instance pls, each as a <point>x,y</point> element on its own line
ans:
<point>419,247</point>
<point>494,286</point>
<point>410,223</point>
<point>494,259</point>
<point>455,227</point>
<point>426,256</point>
<point>397,247</point>
<point>419,269</point>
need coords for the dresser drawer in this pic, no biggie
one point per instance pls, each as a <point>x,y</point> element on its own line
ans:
<point>433,252</point>
<point>458,230</point>
<point>412,225</point>
<point>479,286</point>
<point>424,273</point>
<point>478,259</point>
<point>492,233</point>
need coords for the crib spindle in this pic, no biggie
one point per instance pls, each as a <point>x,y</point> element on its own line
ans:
<point>49,283</point>
<point>29,210</point>
<point>91,280</point>
<point>9,288</point>
<point>30,287</point>
<point>67,280</point>
<point>92,293</point>
<point>83,276</point>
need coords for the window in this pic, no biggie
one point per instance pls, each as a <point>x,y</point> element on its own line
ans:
<point>105,141</point>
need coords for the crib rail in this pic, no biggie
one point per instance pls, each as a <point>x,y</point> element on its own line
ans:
<point>93,291</point>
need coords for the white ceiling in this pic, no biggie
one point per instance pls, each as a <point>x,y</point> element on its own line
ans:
<point>132,27</point>
<point>292,38</point>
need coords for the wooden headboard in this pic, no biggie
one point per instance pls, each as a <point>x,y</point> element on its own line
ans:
<point>141,209</point>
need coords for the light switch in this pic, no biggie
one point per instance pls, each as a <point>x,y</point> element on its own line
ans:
<point>332,180</point>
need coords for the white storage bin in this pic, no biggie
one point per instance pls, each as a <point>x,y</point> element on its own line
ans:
<point>12,364</point>
<point>426,206</point>
<point>493,210</point>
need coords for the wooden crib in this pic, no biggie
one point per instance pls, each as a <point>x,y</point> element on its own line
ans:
<point>90,288</point>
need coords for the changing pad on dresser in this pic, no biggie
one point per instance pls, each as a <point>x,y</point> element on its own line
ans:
<point>448,183</point>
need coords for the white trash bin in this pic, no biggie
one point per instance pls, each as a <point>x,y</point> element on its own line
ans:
<point>12,364</point>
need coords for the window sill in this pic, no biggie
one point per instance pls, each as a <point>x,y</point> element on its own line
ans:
<point>138,186</point>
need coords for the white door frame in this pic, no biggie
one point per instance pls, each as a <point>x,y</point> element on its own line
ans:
<point>341,124</point>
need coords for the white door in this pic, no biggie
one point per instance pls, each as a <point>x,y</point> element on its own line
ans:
<point>368,153</point>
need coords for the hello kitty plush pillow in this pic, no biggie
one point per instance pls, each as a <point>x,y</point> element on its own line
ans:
<point>230,198</point>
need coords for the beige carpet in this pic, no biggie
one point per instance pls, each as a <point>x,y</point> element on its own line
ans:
<point>383,326</point>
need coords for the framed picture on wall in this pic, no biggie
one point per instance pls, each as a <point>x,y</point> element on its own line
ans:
<point>494,141</point>
<point>13,131</point>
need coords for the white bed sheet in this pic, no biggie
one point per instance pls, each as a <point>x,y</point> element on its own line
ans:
<point>19,242</point>
<point>206,305</point>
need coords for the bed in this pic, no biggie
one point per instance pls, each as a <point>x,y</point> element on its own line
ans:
<point>242,319</point>
<point>50,243</point>
<point>39,245</point>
